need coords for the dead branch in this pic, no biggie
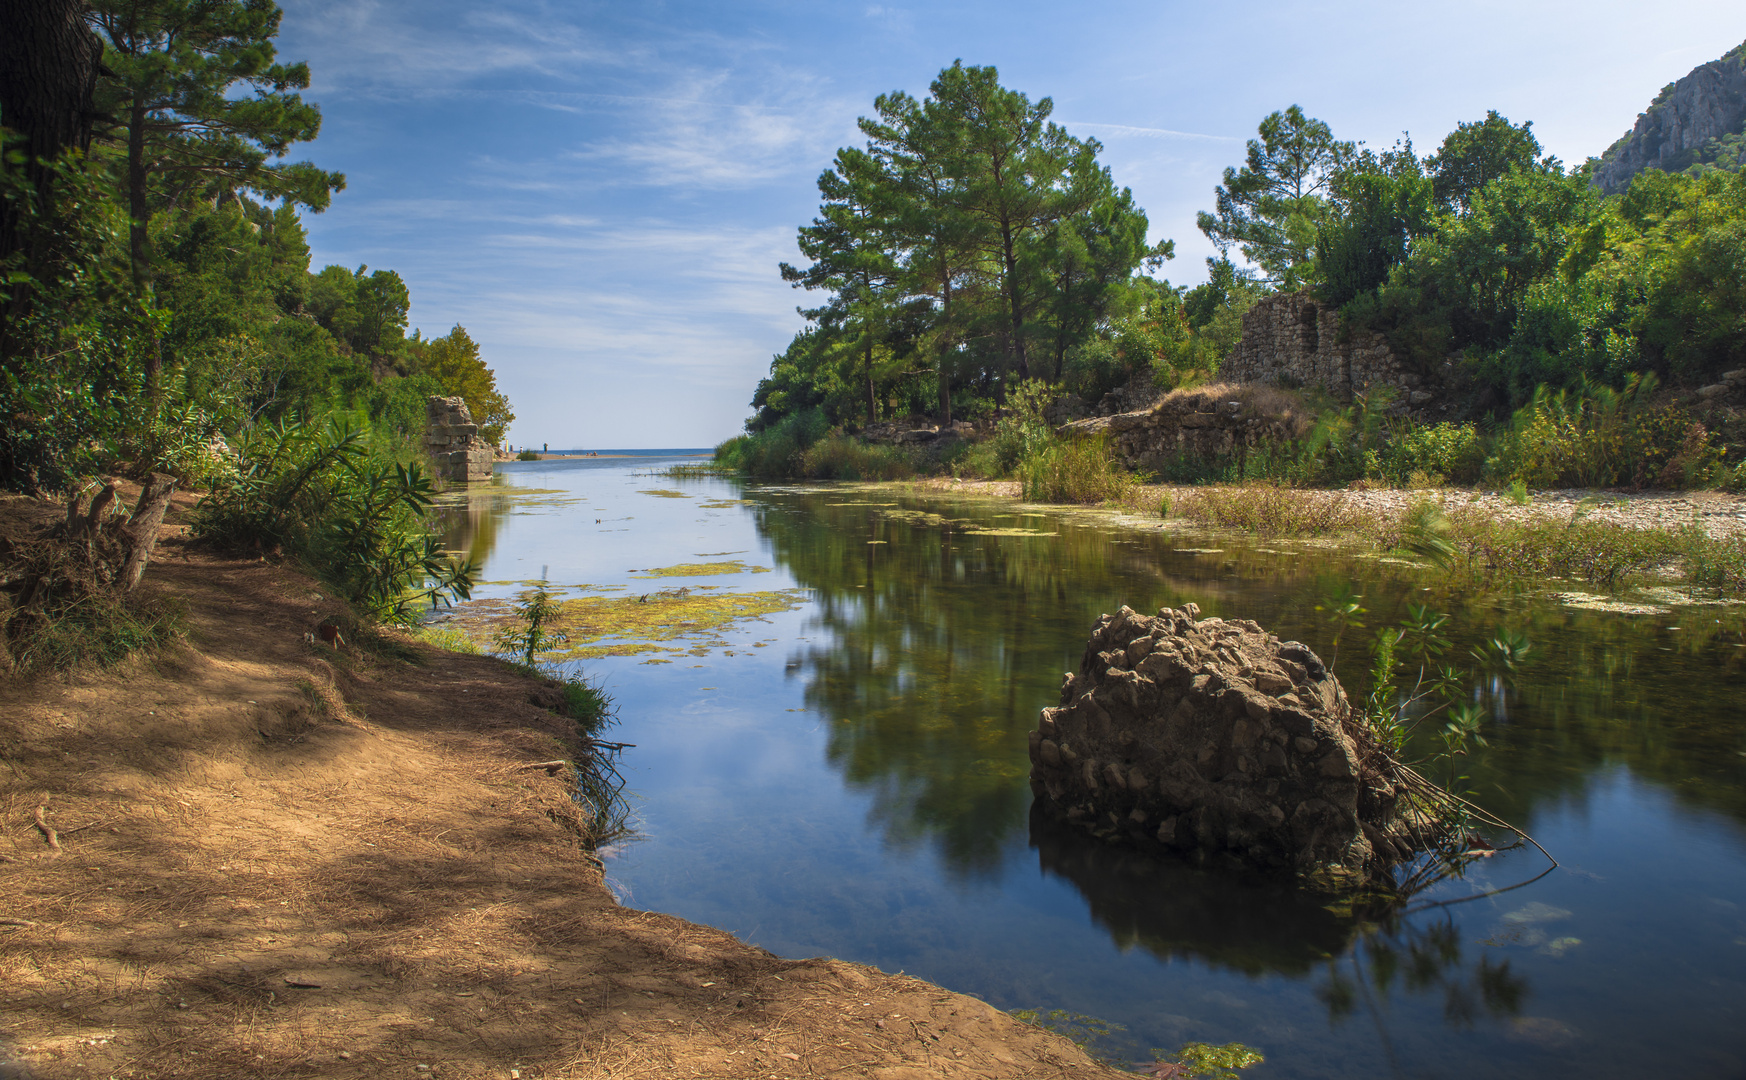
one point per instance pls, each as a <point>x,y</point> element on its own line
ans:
<point>48,833</point>
<point>9,921</point>
<point>551,767</point>
<point>99,503</point>
<point>147,520</point>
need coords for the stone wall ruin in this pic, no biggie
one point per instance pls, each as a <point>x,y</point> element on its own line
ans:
<point>457,452</point>
<point>1293,339</point>
<point>1207,423</point>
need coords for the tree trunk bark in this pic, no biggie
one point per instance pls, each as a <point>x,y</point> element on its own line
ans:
<point>138,239</point>
<point>147,519</point>
<point>49,61</point>
<point>1012,299</point>
<point>945,369</point>
<point>871,405</point>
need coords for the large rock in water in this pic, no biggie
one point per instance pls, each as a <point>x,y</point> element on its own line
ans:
<point>1213,738</point>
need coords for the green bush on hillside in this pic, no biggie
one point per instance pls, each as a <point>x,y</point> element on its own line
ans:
<point>317,492</point>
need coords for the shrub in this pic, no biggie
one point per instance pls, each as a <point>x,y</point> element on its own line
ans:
<point>840,457</point>
<point>316,493</point>
<point>1453,453</point>
<point>1074,471</point>
<point>528,455</point>
<point>777,450</point>
<point>1595,436</point>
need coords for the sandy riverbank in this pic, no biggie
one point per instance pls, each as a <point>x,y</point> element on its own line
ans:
<point>276,858</point>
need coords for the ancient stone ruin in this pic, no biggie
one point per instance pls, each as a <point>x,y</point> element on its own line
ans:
<point>1214,739</point>
<point>1204,423</point>
<point>1293,339</point>
<point>452,441</point>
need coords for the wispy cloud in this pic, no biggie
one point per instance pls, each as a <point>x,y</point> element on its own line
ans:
<point>705,132</point>
<point>1147,132</point>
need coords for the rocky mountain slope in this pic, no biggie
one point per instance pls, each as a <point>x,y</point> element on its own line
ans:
<point>1699,120</point>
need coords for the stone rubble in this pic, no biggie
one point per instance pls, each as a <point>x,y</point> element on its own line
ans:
<point>1214,739</point>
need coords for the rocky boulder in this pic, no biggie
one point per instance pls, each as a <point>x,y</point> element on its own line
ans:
<point>1212,738</point>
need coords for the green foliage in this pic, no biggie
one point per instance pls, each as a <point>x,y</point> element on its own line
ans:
<point>97,628</point>
<point>371,544</point>
<point>73,339</point>
<point>453,361</point>
<point>1383,204</point>
<point>1594,436</point>
<point>316,492</point>
<point>1476,154</point>
<point>776,450</point>
<point>529,636</point>
<point>1204,1059</point>
<point>839,457</point>
<point>1081,470</point>
<point>1274,206</point>
<point>970,245</point>
<point>1427,456</point>
<point>1412,688</point>
<point>527,455</point>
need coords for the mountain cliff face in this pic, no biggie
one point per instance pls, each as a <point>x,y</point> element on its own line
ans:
<point>1699,120</point>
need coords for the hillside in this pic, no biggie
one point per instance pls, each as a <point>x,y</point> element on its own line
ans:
<point>1699,120</point>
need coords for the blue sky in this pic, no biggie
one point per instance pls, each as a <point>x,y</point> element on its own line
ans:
<point>601,192</point>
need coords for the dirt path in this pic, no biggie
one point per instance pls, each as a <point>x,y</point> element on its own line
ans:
<point>279,859</point>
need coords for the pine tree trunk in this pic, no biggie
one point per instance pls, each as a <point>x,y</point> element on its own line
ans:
<point>49,61</point>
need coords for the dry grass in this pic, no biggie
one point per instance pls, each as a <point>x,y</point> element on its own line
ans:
<point>1264,399</point>
<point>1272,510</point>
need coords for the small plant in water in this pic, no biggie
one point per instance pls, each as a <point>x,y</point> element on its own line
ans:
<point>1203,1059</point>
<point>529,635</point>
<point>1086,1032</point>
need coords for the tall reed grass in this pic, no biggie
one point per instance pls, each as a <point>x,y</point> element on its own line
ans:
<point>1074,471</point>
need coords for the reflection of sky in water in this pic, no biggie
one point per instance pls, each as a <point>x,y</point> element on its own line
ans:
<point>857,790</point>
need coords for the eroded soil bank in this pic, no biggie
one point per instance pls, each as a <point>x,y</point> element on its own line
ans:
<point>277,858</point>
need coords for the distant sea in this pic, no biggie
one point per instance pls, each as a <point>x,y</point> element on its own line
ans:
<point>694,451</point>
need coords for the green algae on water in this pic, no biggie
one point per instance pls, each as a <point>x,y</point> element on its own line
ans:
<point>708,569</point>
<point>671,620</point>
<point>665,493</point>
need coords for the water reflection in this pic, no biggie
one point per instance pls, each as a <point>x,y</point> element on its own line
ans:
<point>1174,910</point>
<point>467,518</point>
<point>940,642</point>
<point>1404,958</point>
<point>939,627</point>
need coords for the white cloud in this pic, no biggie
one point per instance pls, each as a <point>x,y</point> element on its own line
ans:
<point>1147,132</point>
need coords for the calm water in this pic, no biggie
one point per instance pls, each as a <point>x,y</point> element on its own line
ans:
<point>855,785</point>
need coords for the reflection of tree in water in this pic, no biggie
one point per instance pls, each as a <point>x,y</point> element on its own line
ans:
<point>1406,956</point>
<point>467,519</point>
<point>939,645</point>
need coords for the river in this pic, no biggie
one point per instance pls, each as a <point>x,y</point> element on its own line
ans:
<point>846,775</point>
